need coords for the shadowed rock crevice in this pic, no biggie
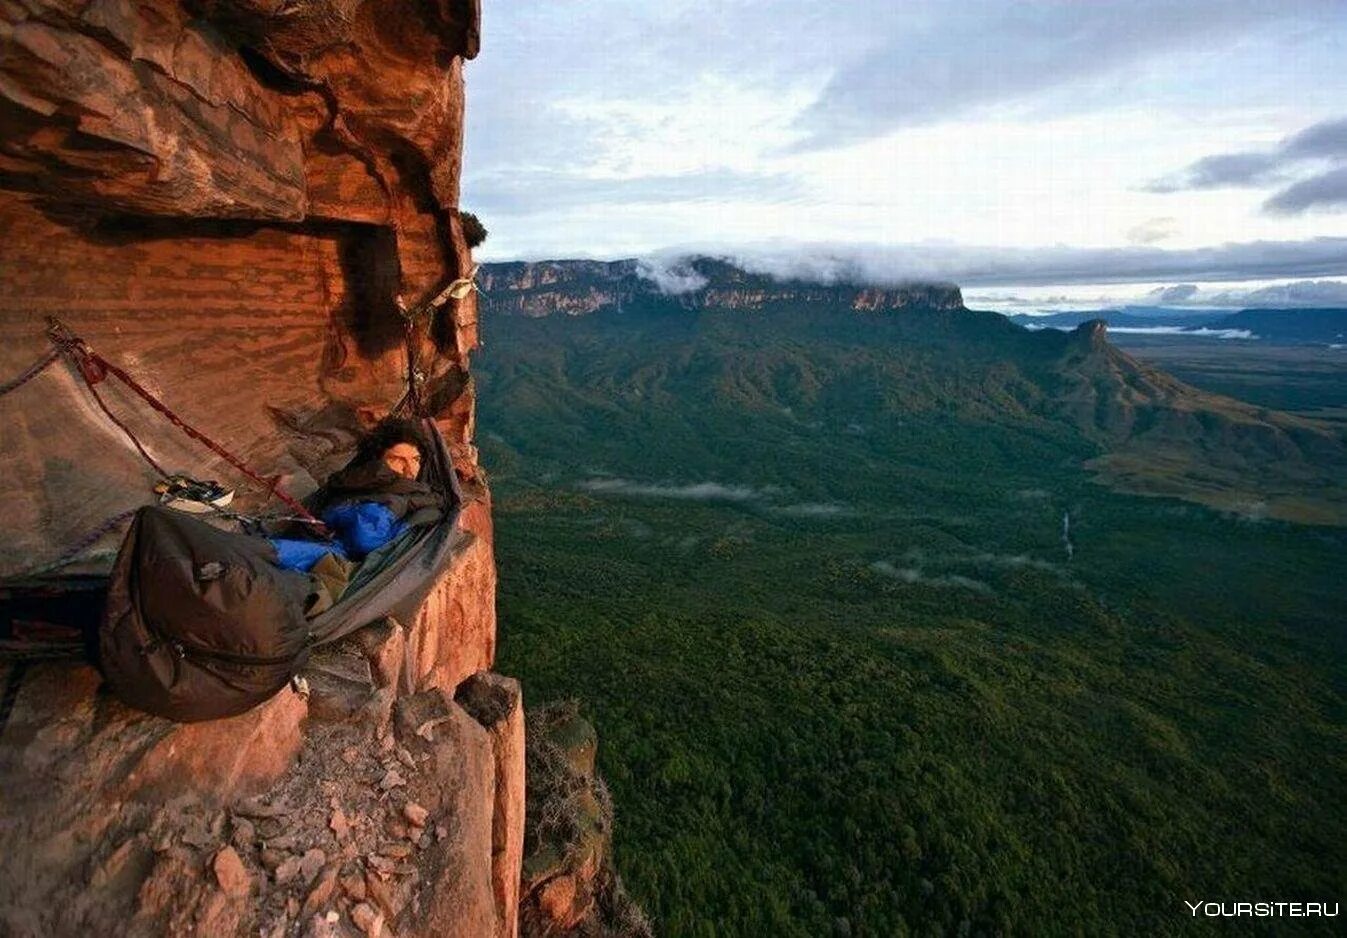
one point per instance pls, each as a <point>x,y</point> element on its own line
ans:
<point>370,268</point>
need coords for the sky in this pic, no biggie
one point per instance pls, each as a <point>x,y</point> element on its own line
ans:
<point>1032,151</point>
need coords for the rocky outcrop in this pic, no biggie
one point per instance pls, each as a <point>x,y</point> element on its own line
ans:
<point>227,198</point>
<point>576,288</point>
<point>1160,436</point>
<point>570,884</point>
<point>234,201</point>
<point>320,812</point>
<point>454,633</point>
<point>497,703</point>
<point>365,801</point>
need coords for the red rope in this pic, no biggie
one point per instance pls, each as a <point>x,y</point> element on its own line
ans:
<point>94,367</point>
<point>102,404</point>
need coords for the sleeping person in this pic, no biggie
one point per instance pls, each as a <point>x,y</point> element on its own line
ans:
<point>367,505</point>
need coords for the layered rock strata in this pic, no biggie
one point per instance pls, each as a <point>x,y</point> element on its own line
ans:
<point>580,287</point>
<point>234,201</point>
<point>227,198</point>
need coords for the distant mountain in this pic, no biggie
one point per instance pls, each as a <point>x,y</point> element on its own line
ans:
<point>1125,316</point>
<point>1282,326</point>
<point>1326,326</point>
<point>580,287</point>
<point>628,356</point>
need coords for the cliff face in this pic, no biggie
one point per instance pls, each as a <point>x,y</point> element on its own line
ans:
<point>580,287</point>
<point>227,198</point>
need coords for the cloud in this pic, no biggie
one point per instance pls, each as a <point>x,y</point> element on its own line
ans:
<point>696,491</point>
<point>603,127</point>
<point>1302,293</point>
<point>914,576</point>
<point>815,510</point>
<point>1179,293</point>
<point>1016,561</point>
<point>1276,295</point>
<point>1223,171</point>
<point>1296,293</point>
<point>1182,330</point>
<point>525,192</point>
<point>1326,138</point>
<point>1325,191</point>
<point>1152,230</point>
<point>931,62</point>
<point>671,279</point>
<point>984,266</point>
<point>717,492</point>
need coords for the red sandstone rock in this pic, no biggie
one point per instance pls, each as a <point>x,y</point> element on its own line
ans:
<point>498,704</point>
<point>459,901</point>
<point>230,873</point>
<point>225,198</point>
<point>368,920</point>
<point>557,900</point>
<point>226,202</point>
<point>384,646</point>
<point>322,893</point>
<point>454,635</point>
<point>340,684</point>
<point>222,759</point>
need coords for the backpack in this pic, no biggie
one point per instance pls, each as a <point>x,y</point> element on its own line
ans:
<point>200,623</point>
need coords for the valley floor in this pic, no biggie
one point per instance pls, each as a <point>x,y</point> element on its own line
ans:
<point>910,674</point>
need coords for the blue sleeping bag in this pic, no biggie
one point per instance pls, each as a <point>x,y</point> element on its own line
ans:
<point>360,528</point>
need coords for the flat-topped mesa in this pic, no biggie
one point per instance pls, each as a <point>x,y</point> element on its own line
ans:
<point>579,287</point>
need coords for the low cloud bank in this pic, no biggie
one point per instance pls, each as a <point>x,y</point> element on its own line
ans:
<point>696,491</point>
<point>815,510</point>
<point>915,576</point>
<point>1198,331</point>
<point>1296,294</point>
<point>989,266</point>
<point>670,276</point>
<point>1180,330</point>
<point>763,496</point>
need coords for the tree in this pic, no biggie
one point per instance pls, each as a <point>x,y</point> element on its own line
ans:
<point>474,232</point>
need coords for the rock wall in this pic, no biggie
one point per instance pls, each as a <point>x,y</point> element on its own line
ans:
<point>227,198</point>
<point>579,287</point>
<point>342,810</point>
<point>234,200</point>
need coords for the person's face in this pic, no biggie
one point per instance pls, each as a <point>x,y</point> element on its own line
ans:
<point>404,459</point>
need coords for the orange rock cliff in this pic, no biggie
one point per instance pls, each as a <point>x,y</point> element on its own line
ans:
<point>229,198</point>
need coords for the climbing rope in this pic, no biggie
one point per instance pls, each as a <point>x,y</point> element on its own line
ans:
<point>414,377</point>
<point>80,546</point>
<point>31,372</point>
